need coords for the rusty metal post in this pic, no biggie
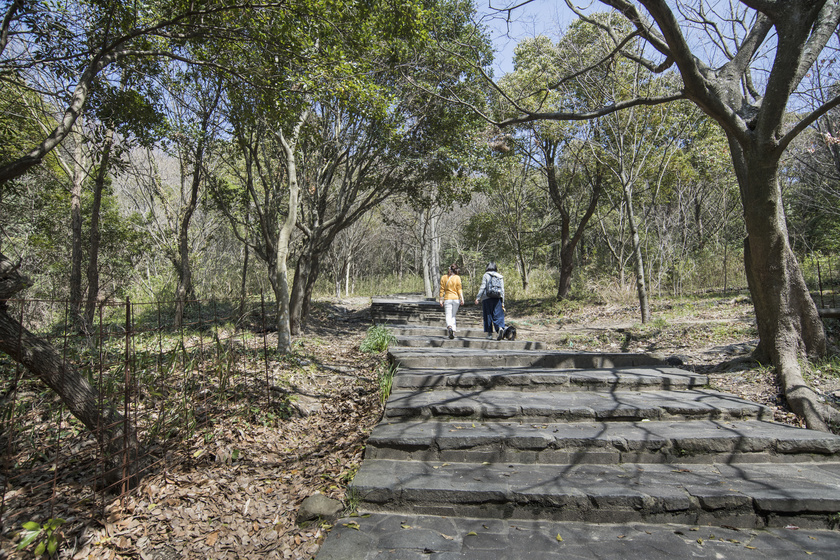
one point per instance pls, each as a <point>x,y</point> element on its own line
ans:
<point>100,437</point>
<point>265,350</point>
<point>126,400</point>
<point>819,279</point>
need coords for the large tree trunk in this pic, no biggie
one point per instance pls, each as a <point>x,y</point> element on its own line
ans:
<point>116,437</point>
<point>787,318</point>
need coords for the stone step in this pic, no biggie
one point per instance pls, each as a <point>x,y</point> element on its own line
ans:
<point>744,495</point>
<point>452,358</point>
<point>544,379</point>
<point>441,340</point>
<point>571,406</point>
<point>384,311</point>
<point>464,331</point>
<point>423,537</point>
<point>695,441</point>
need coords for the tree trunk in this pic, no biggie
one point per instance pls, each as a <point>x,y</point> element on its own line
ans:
<point>76,237</point>
<point>116,437</point>
<point>306,274</point>
<point>244,284</point>
<point>569,242</point>
<point>298,295</point>
<point>434,242</point>
<point>567,266</point>
<point>786,315</point>
<point>426,256</point>
<point>184,290</point>
<point>521,262</point>
<point>347,265</point>
<point>309,287</point>
<point>95,234</point>
<point>637,254</point>
<point>279,273</point>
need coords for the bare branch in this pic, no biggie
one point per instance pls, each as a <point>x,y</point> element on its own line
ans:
<point>608,110</point>
<point>808,121</point>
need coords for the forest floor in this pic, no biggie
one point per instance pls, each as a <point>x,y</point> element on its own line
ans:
<point>234,492</point>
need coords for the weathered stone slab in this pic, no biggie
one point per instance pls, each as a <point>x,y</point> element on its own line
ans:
<point>446,358</point>
<point>443,341</point>
<point>544,379</point>
<point>381,536</point>
<point>571,406</point>
<point>753,495</point>
<point>612,442</point>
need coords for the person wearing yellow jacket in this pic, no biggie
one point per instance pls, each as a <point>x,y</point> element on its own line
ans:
<point>451,298</point>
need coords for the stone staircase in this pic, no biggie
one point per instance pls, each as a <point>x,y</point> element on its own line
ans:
<point>508,450</point>
<point>399,311</point>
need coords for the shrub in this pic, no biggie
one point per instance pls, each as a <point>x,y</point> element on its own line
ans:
<point>377,339</point>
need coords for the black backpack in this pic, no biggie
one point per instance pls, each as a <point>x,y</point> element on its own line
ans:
<point>494,286</point>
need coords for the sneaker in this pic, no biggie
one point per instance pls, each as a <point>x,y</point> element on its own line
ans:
<point>451,334</point>
<point>501,334</point>
<point>489,336</point>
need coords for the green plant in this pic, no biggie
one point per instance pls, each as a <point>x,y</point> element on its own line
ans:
<point>377,339</point>
<point>385,377</point>
<point>659,323</point>
<point>352,499</point>
<point>47,533</point>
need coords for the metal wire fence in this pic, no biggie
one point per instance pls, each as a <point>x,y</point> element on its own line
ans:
<point>154,385</point>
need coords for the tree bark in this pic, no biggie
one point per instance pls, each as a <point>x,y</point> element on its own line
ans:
<point>244,284</point>
<point>641,288</point>
<point>298,295</point>
<point>787,318</point>
<point>279,275</point>
<point>426,251</point>
<point>76,236</point>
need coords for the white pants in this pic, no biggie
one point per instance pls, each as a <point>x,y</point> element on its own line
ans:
<point>450,308</point>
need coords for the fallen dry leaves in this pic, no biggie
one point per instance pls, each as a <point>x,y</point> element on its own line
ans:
<point>233,489</point>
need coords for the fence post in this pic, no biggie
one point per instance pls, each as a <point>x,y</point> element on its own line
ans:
<point>819,280</point>
<point>126,397</point>
<point>265,350</point>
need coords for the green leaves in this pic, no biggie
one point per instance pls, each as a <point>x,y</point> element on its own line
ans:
<point>32,531</point>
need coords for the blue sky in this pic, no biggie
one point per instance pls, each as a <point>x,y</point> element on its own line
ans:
<point>545,17</point>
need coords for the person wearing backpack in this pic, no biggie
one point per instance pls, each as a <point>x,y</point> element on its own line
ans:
<point>491,294</point>
<point>451,298</point>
